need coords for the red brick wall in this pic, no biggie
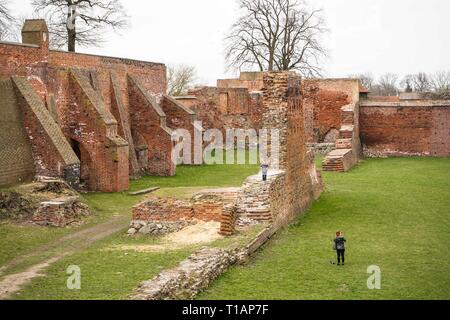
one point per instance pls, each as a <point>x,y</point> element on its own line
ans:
<point>157,209</point>
<point>49,74</point>
<point>49,162</point>
<point>151,75</point>
<point>16,159</point>
<point>177,117</point>
<point>402,129</point>
<point>148,126</point>
<point>16,60</point>
<point>107,159</point>
<point>322,101</point>
<point>253,81</point>
<point>293,192</point>
<point>222,108</point>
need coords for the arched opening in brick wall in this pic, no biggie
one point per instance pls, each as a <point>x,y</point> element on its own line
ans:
<point>331,136</point>
<point>141,150</point>
<point>85,163</point>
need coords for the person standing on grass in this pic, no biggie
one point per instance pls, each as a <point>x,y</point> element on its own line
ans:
<point>264,170</point>
<point>339,243</point>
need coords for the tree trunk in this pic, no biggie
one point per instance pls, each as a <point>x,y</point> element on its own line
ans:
<point>72,36</point>
<point>71,29</point>
<point>271,61</point>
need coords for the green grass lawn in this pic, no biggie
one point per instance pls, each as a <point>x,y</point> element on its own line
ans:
<point>112,274</point>
<point>395,214</point>
<point>19,239</point>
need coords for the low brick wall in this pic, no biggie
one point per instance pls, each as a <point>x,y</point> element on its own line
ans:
<point>190,277</point>
<point>47,203</point>
<point>158,209</point>
<point>199,270</point>
<point>209,205</point>
<point>321,148</point>
<point>60,212</point>
<point>156,228</point>
<point>406,128</point>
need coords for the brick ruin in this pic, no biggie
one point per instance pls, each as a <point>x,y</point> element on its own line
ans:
<point>342,120</point>
<point>97,121</point>
<point>405,126</point>
<point>331,109</point>
<point>233,103</point>
<point>91,120</point>
<point>288,191</point>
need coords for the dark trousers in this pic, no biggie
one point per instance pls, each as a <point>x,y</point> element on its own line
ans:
<point>341,254</point>
<point>264,177</point>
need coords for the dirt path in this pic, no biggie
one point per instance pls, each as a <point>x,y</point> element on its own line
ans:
<point>64,246</point>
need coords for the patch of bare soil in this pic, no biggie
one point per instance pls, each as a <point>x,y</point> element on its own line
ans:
<point>67,245</point>
<point>12,284</point>
<point>198,233</point>
<point>201,232</point>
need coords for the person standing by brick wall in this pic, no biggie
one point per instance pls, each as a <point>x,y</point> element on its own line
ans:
<point>264,170</point>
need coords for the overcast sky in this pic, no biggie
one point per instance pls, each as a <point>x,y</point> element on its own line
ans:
<point>377,36</point>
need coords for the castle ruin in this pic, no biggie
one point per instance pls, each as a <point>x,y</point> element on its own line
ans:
<point>97,121</point>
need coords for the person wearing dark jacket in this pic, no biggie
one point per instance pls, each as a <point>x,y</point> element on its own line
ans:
<point>339,243</point>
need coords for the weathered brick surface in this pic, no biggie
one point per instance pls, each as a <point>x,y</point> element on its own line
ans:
<point>60,212</point>
<point>179,116</point>
<point>301,183</point>
<point>94,128</point>
<point>209,205</point>
<point>253,81</point>
<point>124,127</point>
<point>158,209</point>
<point>225,107</point>
<point>16,159</point>
<point>190,277</point>
<point>331,108</point>
<point>52,153</point>
<point>323,100</point>
<point>228,220</point>
<point>149,128</point>
<point>88,127</point>
<point>405,128</point>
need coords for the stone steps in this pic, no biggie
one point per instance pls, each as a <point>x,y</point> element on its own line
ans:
<point>336,160</point>
<point>253,205</point>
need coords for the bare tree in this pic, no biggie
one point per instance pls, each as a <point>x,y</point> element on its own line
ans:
<point>440,81</point>
<point>81,22</point>
<point>180,79</point>
<point>277,35</point>
<point>367,79</point>
<point>6,20</point>
<point>388,85</point>
<point>420,82</point>
<point>406,84</point>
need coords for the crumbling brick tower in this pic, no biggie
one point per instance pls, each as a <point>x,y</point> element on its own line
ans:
<point>90,119</point>
<point>283,110</point>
